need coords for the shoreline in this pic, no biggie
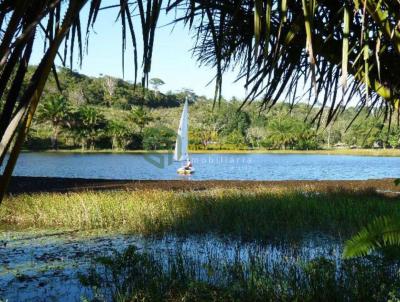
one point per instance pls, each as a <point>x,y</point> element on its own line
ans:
<point>29,185</point>
<point>355,152</point>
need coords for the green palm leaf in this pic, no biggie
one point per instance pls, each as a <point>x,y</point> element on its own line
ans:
<point>382,232</point>
<point>345,52</point>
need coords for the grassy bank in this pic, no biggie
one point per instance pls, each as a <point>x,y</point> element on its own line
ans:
<point>362,152</point>
<point>256,213</point>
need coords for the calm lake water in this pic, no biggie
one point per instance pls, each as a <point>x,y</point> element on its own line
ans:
<point>208,166</point>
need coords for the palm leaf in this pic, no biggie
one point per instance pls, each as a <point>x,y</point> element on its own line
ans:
<point>382,232</point>
<point>258,4</point>
<point>267,26</point>
<point>309,44</point>
<point>284,10</point>
<point>345,52</point>
<point>366,68</point>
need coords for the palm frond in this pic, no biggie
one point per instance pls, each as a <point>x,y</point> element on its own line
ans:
<point>323,37</point>
<point>345,52</point>
<point>382,232</point>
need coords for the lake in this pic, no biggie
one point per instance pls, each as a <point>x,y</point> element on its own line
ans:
<point>208,166</point>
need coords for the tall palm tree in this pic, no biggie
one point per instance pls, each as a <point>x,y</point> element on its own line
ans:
<point>55,111</point>
<point>89,126</point>
<point>119,133</point>
<point>348,45</point>
<point>282,133</point>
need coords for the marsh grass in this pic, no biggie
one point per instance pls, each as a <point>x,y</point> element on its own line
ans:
<point>256,213</point>
<point>135,275</point>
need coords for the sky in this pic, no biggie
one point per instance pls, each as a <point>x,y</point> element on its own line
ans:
<point>172,58</point>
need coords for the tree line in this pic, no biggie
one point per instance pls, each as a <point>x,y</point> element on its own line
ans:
<point>109,113</point>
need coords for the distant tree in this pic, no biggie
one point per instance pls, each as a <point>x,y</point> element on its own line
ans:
<point>255,135</point>
<point>88,126</point>
<point>206,126</point>
<point>119,134</point>
<point>158,138</point>
<point>306,138</point>
<point>394,138</point>
<point>94,92</point>
<point>109,86</point>
<point>77,96</point>
<point>156,83</point>
<point>141,117</point>
<point>286,132</point>
<point>236,138</point>
<point>364,133</point>
<point>186,93</point>
<point>54,110</point>
<point>203,135</point>
<point>230,119</point>
<point>281,133</point>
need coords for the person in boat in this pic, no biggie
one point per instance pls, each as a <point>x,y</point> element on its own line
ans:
<point>188,165</point>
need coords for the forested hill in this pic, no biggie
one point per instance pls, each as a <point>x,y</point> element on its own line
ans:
<point>109,113</point>
<point>112,92</point>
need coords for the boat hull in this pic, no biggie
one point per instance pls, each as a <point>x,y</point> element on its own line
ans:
<point>184,171</point>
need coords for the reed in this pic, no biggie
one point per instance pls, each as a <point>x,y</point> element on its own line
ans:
<point>256,213</point>
<point>142,276</point>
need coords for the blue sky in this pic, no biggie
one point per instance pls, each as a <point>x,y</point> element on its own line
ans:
<point>172,58</point>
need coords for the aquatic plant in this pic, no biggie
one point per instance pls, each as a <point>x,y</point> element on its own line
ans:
<point>381,234</point>
<point>254,213</point>
<point>135,275</point>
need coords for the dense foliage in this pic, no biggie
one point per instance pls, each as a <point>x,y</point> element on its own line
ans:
<point>109,113</point>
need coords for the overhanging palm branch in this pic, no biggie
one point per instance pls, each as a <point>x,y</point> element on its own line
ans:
<point>381,233</point>
<point>336,44</point>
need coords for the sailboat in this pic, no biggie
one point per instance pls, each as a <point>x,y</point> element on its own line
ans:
<point>181,152</point>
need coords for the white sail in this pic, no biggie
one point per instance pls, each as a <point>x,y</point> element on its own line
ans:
<point>181,145</point>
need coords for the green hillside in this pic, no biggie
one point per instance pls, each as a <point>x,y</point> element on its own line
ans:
<point>97,113</point>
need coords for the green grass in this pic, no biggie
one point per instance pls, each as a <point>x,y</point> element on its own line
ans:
<point>256,213</point>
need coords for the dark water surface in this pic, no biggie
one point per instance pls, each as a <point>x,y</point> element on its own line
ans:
<point>45,267</point>
<point>209,166</point>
